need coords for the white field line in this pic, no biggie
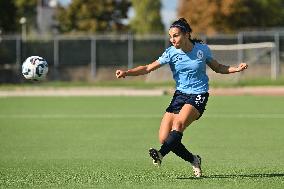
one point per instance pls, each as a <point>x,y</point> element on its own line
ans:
<point>97,91</point>
<point>82,92</point>
<point>124,116</point>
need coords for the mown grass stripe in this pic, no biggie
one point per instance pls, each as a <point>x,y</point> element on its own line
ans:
<point>123,116</point>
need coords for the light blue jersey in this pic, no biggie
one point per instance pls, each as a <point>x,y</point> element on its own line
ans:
<point>189,69</point>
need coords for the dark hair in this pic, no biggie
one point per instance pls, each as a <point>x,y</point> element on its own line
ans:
<point>183,25</point>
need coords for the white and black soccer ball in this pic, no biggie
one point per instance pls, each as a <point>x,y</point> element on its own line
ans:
<point>35,68</point>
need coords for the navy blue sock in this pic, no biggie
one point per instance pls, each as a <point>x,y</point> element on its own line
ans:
<point>171,142</point>
<point>183,153</point>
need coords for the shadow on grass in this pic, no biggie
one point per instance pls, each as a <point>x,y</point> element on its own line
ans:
<point>232,176</point>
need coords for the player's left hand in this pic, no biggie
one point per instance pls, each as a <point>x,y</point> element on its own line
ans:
<point>242,66</point>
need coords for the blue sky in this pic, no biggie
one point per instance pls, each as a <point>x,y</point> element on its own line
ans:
<point>168,11</point>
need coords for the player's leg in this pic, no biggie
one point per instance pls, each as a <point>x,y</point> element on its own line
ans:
<point>165,128</point>
<point>170,135</point>
<point>186,116</point>
<point>170,138</point>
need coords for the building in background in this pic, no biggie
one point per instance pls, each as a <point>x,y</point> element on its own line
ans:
<point>46,23</point>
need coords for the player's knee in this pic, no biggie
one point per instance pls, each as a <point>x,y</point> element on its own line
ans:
<point>178,125</point>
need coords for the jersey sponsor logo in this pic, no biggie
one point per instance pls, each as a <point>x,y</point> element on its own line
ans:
<point>199,54</point>
<point>177,59</point>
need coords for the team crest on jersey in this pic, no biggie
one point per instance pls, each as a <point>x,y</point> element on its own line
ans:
<point>199,54</point>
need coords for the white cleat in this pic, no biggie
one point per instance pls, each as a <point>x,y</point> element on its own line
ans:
<point>196,165</point>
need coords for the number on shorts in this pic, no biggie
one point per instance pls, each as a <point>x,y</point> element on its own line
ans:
<point>199,99</point>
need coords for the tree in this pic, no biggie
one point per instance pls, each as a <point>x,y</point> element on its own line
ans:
<point>7,20</point>
<point>228,16</point>
<point>14,10</point>
<point>254,14</point>
<point>28,10</point>
<point>147,17</point>
<point>198,14</point>
<point>93,16</point>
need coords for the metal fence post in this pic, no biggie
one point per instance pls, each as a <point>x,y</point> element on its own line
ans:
<point>275,66</point>
<point>130,50</point>
<point>166,42</point>
<point>56,57</point>
<point>18,52</point>
<point>240,52</point>
<point>203,38</point>
<point>93,56</point>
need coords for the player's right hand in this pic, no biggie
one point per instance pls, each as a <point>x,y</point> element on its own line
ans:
<point>241,67</point>
<point>120,74</point>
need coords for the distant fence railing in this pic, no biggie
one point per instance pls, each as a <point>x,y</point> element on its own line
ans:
<point>111,50</point>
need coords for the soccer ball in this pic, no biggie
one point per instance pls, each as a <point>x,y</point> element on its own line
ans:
<point>35,68</point>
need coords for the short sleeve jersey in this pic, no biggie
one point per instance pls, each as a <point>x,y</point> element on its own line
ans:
<point>188,68</point>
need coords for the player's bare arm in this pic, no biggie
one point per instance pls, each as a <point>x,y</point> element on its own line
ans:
<point>224,69</point>
<point>140,70</point>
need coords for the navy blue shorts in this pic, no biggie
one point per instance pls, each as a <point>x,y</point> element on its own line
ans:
<point>179,99</point>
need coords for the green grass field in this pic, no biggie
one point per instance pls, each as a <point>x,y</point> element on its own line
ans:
<point>103,142</point>
<point>261,81</point>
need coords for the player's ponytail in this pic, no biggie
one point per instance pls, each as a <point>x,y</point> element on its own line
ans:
<point>183,25</point>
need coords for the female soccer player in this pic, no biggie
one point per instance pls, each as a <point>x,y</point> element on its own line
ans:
<point>187,59</point>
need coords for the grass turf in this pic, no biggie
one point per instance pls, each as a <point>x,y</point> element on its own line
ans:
<point>103,142</point>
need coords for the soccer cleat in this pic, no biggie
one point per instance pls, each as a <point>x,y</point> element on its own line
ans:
<point>196,165</point>
<point>156,156</point>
